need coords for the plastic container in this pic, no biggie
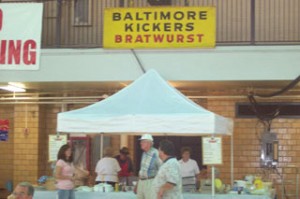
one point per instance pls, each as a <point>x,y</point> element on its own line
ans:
<point>258,183</point>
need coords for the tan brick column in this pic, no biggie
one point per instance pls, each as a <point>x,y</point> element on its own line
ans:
<point>7,147</point>
<point>26,145</point>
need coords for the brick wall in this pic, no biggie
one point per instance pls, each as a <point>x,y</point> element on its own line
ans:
<point>50,122</point>
<point>28,153</point>
<point>247,146</point>
<point>6,148</point>
<point>25,154</point>
<point>42,142</point>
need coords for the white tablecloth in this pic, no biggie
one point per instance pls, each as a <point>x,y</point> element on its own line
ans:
<point>131,195</point>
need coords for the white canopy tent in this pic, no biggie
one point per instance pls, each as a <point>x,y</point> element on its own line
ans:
<point>148,105</point>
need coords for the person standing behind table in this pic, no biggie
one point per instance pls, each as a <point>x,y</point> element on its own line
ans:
<point>65,173</point>
<point>126,165</point>
<point>23,190</point>
<point>189,170</point>
<point>107,168</point>
<point>150,164</point>
<point>167,184</point>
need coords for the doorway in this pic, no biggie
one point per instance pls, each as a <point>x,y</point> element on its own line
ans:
<point>194,142</point>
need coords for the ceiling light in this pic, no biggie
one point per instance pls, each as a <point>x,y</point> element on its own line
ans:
<point>13,88</point>
<point>17,84</point>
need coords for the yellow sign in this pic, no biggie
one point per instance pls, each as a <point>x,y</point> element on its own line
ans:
<point>159,27</point>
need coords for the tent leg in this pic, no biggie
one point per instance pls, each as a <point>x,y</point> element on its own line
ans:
<point>101,145</point>
<point>213,182</point>
<point>231,160</point>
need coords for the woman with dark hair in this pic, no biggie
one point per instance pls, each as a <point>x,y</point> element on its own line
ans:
<point>189,170</point>
<point>65,173</point>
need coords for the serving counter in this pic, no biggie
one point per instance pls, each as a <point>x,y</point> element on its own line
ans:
<point>131,195</point>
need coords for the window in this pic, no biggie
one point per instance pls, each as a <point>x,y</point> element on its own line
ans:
<point>268,109</point>
<point>82,12</point>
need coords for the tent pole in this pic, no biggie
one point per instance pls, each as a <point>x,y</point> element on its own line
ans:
<point>213,181</point>
<point>231,160</point>
<point>213,191</point>
<point>101,145</point>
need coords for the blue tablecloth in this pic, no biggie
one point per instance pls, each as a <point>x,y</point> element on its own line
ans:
<point>131,195</point>
<point>86,195</point>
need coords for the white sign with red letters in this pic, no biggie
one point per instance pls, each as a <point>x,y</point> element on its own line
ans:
<point>20,35</point>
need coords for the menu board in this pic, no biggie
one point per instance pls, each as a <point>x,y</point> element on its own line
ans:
<point>212,150</point>
<point>55,142</point>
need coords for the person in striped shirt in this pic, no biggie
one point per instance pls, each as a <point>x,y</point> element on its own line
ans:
<point>150,164</point>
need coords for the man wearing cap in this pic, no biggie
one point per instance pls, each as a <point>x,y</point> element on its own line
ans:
<point>150,164</point>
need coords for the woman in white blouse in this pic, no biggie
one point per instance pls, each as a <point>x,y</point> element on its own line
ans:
<point>189,170</point>
<point>107,168</point>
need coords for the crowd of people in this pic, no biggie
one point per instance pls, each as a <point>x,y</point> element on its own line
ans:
<point>160,176</point>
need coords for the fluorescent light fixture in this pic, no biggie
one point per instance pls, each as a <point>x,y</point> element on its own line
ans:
<point>17,84</point>
<point>13,88</point>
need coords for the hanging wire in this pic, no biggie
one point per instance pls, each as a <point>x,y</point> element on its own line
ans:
<point>138,61</point>
<point>26,116</point>
<point>285,89</point>
<point>266,118</point>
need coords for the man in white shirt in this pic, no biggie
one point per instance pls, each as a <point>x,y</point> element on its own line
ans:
<point>189,170</point>
<point>150,164</point>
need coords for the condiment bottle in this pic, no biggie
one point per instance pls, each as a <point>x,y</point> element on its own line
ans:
<point>117,187</point>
